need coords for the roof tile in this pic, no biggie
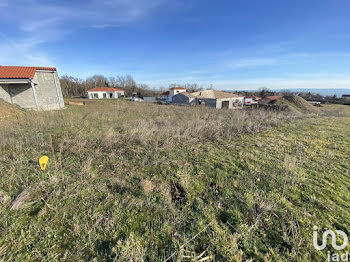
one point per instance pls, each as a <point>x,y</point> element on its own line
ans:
<point>105,89</point>
<point>177,88</point>
<point>20,72</point>
<point>214,94</point>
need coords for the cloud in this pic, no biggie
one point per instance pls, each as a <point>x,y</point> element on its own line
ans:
<point>34,15</point>
<point>23,53</point>
<point>252,62</point>
<point>41,21</point>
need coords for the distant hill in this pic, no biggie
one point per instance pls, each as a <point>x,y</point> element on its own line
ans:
<point>321,91</point>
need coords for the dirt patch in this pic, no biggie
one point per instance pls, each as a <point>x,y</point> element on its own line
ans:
<point>301,104</point>
<point>147,186</point>
<point>9,111</point>
<point>4,198</point>
<point>20,199</point>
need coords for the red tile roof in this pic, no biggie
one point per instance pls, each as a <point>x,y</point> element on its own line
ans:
<point>21,72</point>
<point>273,97</point>
<point>177,88</point>
<point>165,93</point>
<point>105,89</point>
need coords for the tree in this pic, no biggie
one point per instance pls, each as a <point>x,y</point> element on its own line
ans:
<point>126,83</point>
<point>72,86</point>
<point>193,88</point>
<point>96,81</point>
<point>264,92</point>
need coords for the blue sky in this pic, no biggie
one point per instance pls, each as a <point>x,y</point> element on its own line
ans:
<point>229,44</point>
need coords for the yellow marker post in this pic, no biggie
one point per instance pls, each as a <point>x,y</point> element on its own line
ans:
<point>43,162</point>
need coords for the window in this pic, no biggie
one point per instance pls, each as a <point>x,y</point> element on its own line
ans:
<point>104,95</point>
<point>225,104</point>
<point>95,95</point>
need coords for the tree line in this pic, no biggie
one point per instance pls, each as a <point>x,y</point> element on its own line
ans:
<point>77,87</point>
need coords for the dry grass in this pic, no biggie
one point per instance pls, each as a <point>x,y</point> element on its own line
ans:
<point>141,182</point>
<point>9,112</point>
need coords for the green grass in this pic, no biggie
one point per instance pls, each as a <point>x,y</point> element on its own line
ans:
<point>139,182</point>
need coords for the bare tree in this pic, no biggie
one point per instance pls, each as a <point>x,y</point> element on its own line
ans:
<point>113,81</point>
<point>97,81</point>
<point>72,86</point>
<point>193,87</point>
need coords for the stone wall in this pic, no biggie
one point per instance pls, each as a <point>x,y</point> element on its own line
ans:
<point>22,95</point>
<point>48,90</point>
<point>4,93</point>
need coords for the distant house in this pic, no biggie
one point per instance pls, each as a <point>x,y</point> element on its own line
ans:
<point>210,98</point>
<point>183,98</point>
<point>105,93</point>
<point>219,99</point>
<point>174,91</point>
<point>168,95</point>
<point>165,95</point>
<point>36,88</point>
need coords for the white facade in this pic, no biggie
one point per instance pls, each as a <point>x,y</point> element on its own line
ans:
<point>105,94</point>
<point>174,91</point>
<point>230,103</point>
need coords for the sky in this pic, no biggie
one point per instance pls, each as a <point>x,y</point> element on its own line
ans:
<point>225,44</point>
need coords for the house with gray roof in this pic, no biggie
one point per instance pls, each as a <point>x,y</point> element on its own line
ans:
<point>183,98</point>
<point>210,98</point>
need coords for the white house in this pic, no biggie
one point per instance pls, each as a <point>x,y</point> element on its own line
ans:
<point>165,95</point>
<point>174,91</point>
<point>105,93</point>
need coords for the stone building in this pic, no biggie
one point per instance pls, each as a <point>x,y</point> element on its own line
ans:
<point>36,88</point>
<point>183,98</point>
<point>210,98</point>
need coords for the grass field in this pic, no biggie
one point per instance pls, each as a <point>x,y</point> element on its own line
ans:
<point>139,182</point>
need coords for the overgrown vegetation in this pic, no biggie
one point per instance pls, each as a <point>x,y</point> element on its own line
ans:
<point>141,182</point>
